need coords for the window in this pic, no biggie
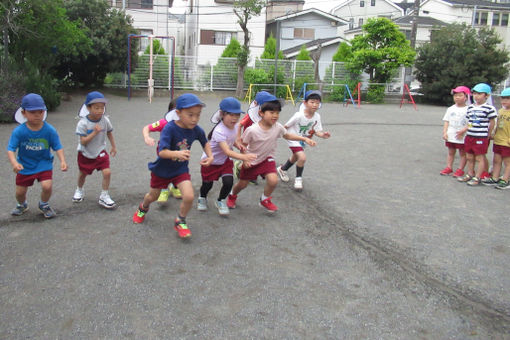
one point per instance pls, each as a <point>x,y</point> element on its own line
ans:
<point>372,2</point>
<point>351,23</point>
<point>209,37</point>
<point>142,4</point>
<point>144,42</point>
<point>360,22</point>
<point>495,19</point>
<point>304,33</point>
<point>504,19</point>
<point>483,18</point>
<point>362,3</point>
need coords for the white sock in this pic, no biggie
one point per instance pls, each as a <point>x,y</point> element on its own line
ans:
<point>104,192</point>
<point>263,197</point>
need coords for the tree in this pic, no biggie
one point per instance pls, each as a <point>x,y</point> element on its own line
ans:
<point>108,29</point>
<point>157,48</point>
<point>380,50</point>
<point>303,54</point>
<point>270,49</point>
<point>245,10</point>
<point>232,49</point>
<point>459,55</point>
<point>343,53</point>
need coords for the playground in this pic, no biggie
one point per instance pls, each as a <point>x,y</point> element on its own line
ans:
<point>377,245</point>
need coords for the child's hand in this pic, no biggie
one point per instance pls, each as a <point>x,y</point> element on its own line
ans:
<point>239,145</point>
<point>246,164</point>
<point>249,157</point>
<point>310,142</point>
<point>326,135</point>
<point>445,136</point>
<point>149,141</point>
<point>97,128</point>
<point>113,151</point>
<point>206,161</point>
<point>63,166</point>
<point>459,134</point>
<point>183,155</point>
<point>17,167</point>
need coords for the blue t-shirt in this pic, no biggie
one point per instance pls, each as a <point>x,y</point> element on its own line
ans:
<point>175,138</point>
<point>34,147</point>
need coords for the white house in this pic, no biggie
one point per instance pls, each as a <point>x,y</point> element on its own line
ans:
<point>210,25</point>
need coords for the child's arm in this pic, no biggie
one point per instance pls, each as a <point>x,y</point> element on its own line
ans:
<point>182,155</point>
<point>445,129</point>
<point>113,150</point>
<point>62,159</point>
<point>492,123</point>
<point>16,167</point>
<point>207,149</point>
<point>146,137</point>
<point>291,136</point>
<point>461,132</point>
<point>323,134</point>
<point>84,140</point>
<point>248,157</point>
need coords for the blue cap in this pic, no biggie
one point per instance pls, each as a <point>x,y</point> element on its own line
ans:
<point>231,105</point>
<point>310,92</point>
<point>187,100</point>
<point>263,97</point>
<point>482,88</point>
<point>32,102</point>
<point>95,97</point>
<point>505,92</point>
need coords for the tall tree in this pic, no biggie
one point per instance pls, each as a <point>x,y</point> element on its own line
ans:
<point>459,55</point>
<point>380,50</point>
<point>270,49</point>
<point>245,10</point>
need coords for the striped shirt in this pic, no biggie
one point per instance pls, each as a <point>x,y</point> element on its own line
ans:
<point>479,118</point>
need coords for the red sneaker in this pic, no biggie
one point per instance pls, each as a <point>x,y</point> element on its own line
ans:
<point>182,229</point>
<point>446,171</point>
<point>485,175</point>
<point>458,173</point>
<point>139,215</point>
<point>231,201</point>
<point>268,205</point>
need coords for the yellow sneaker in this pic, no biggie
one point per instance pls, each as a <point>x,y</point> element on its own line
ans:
<point>163,196</point>
<point>176,192</point>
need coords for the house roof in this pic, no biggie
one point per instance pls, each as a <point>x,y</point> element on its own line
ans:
<point>312,45</point>
<point>286,1</point>
<point>405,5</point>
<point>391,3</point>
<point>308,11</point>
<point>422,21</point>
<point>479,4</point>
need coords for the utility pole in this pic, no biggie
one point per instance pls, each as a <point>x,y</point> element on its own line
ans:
<point>414,31</point>
<point>276,51</point>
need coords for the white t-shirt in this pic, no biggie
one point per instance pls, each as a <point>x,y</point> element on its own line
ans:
<point>262,142</point>
<point>220,134</point>
<point>300,125</point>
<point>85,127</point>
<point>457,120</point>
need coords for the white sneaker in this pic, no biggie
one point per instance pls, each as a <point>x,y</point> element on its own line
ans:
<point>222,207</point>
<point>106,201</point>
<point>78,195</point>
<point>298,183</point>
<point>283,174</point>
<point>202,204</point>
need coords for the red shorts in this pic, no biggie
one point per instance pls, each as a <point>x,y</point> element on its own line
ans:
<point>87,165</point>
<point>214,172</point>
<point>162,183</point>
<point>502,150</point>
<point>476,146</point>
<point>451,145</point>
<point>295,149</point>
<point>28,180</point>
<point>265,167</point>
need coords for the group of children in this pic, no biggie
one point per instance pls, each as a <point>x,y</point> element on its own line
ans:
<point>256,145</point>
<point>469,128</point>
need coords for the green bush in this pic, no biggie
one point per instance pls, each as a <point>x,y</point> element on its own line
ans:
<point>375,94</point>
<point>11,92</point>
<point>44,84</point>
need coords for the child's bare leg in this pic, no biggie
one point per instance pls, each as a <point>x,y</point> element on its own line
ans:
<point>239,186</point>
<point>186,189</point>
<point>271,182</point>
<point>81,179</point>
<point>496,165</point>
<point>482,166</point>
<point>450,157</point>
<point>506,173</point>
<point>46,190</point>
<point>462,162</point>
<point>300,158</point>
<point>470,164</point>
<point>106,178</point>
<point>21,194</point>
<point>150,197</point>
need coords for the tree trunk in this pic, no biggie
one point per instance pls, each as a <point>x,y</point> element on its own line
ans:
<point>240,81</point>
<point>5,58</point>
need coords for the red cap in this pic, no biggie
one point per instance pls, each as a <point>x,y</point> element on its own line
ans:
<point>464,89</point>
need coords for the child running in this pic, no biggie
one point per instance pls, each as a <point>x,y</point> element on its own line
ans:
<point>501,147</point>
<point>481,117</point>
<point>171,166</point>
<point>306,122</point>
<point>92,131</point>
<point>222,137</point>
<point>158,126</point>
<point>34,161</point>
<point>455,120</point>
<point>261,139</point>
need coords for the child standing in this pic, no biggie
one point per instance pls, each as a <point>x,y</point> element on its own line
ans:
<point>171,166</point>
<point>158,126</point>
<point>92,131</point>
<point>33,140</point>
<point>455,120</point>
<point>480,125</point>
<point>501,147</point>
<point>306,122</point>
<point>222,137</point>
<point>261,139</point>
